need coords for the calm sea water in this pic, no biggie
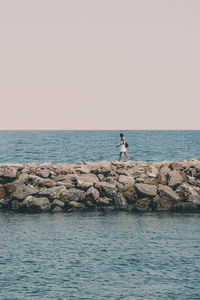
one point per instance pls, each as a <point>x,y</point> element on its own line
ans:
<point>99,256</point>
<point>72,146</point>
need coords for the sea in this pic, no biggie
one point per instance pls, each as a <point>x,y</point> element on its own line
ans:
<point>99,255</point>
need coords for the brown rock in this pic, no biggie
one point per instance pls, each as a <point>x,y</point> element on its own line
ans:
<point>2,192</point>
<point>167,192</point>
<point>129,193</point>
<point>163,204</point>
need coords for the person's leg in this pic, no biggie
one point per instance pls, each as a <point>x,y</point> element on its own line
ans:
<point>126,155</point>
<point>120,156</point>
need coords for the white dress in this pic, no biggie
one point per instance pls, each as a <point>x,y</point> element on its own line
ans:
<point>122,146</point>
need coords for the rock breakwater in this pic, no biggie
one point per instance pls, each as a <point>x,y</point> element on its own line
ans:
<point>130,186</point>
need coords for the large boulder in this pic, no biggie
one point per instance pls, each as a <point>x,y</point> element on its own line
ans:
<point>167,192</point>
<point>120,201</point>
<point>35,205</point>
<point>165,171</point>
<point>7,174</point>
<point>51,193</point>
<point>163,203</point>
<point>91,195</point>
<point>22,191</point>
<point>106,189</point>
<point>188,192</point>
<point>129,193</point>
<point>175,178</point>
<point>72,195</point>
<point>144,189</point>
<point>38,181</point>
<point>126,180</point>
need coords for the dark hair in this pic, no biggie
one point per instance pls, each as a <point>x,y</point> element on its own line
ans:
<point>121,134</point>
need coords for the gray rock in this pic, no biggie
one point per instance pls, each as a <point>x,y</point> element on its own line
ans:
<point>35,205</point>
<point>120,201</point>
<point>23,191</point>
<point>73,195</point>
<point>106,189</point>
<point>146,189</point>
<point>51,193</point>
<point>167,192</point>
<point>188,192</point>
<point>91,195</point>
<point>38,181</point>
<point>175,178</point>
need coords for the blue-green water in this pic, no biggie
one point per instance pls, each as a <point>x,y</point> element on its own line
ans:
<point>99,256</point>
<point>72,146</point>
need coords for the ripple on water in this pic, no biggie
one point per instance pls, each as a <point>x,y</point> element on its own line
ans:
<point>99,256</point>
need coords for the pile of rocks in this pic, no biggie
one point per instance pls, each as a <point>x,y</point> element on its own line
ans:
<point>131,186</point>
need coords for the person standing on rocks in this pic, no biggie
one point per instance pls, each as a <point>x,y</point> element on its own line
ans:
<point>123,146</point>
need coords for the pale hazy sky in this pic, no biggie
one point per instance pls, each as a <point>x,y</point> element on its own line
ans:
<point>100,64</point>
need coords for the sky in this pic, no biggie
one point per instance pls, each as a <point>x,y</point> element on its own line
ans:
<point>99,64</point>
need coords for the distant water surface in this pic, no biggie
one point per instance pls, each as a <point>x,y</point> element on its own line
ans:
<point>71,146</point>
<point>99,256</point>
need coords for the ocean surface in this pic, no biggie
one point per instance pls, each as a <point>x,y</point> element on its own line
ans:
<point>57,146</point>
<point>99,256</point>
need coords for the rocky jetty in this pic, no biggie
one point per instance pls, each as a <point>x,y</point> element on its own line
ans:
<point>130,186</point>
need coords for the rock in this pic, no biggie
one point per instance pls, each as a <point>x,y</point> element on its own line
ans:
<point>73,195</point>
<point>2,192</point>
<point>186,207</point>
<point>164,171</point>
<point>15,205</point>
<point>38,181</point>
<point>129,193</point>
<point>35,205</point>
<point>146,189</point>
<point>51,193</point>
<point>167,192</point>
<point>120,201</point>
<point>83,185</point>
<point>4,204</point>
<point>126,180</point>
<point>90,204</point>
<point>57,202</point>
<point>175,178</point>
<point>43,173</point>
<point>57,209</point>
<point>23,191</point>
<point>7,174</point>
<point>163,204</point>
<point>153,173</point>
<point>162,179</point>
<point>105,201</point>
<point>188,192</point>
<point>105,189</point>
<point>151,180</point>
<point>75,204</point>
<point>91,195</point>
<point>142,205</point>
